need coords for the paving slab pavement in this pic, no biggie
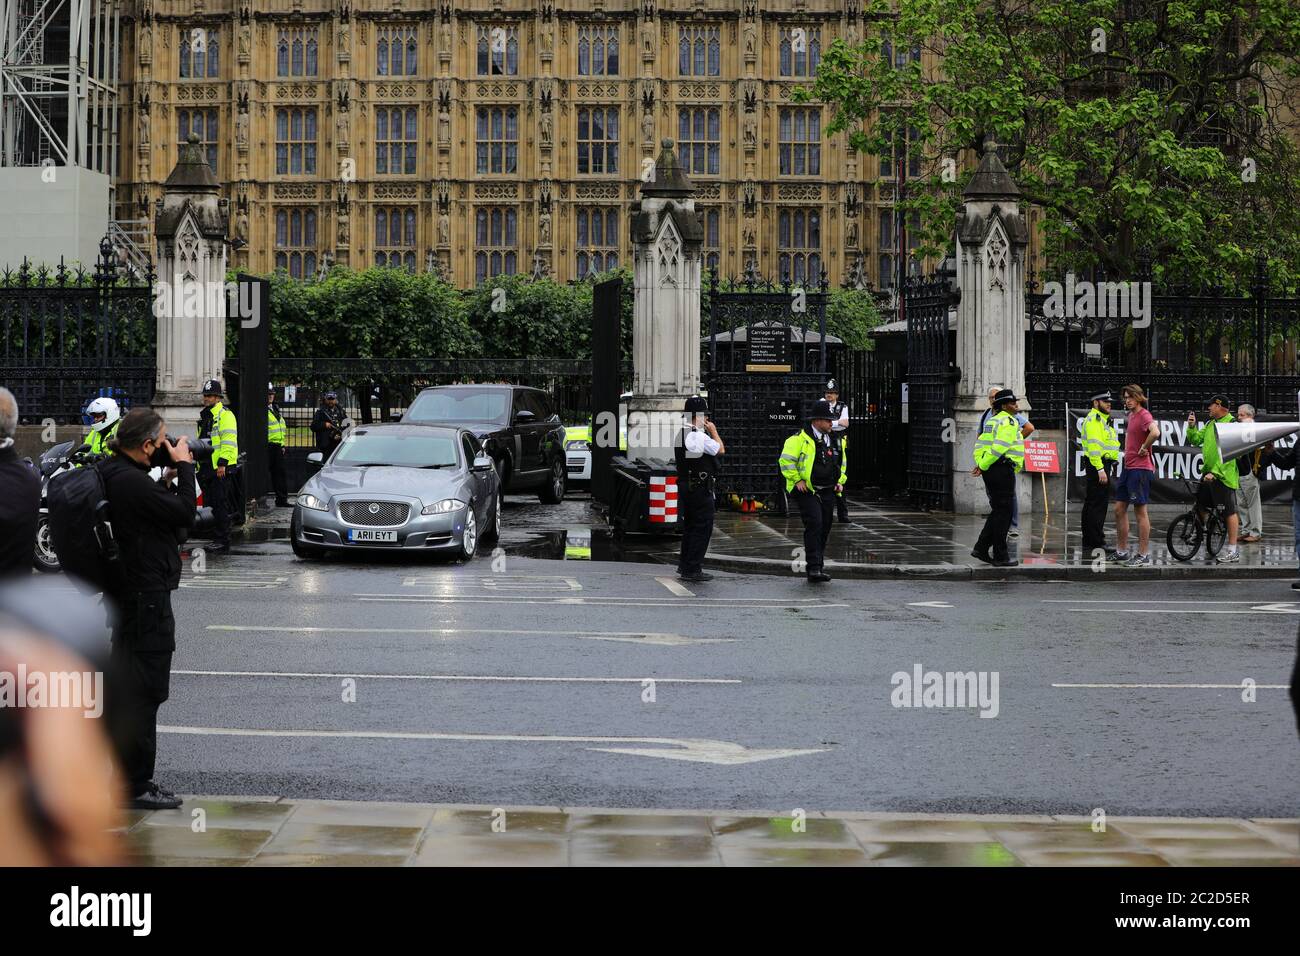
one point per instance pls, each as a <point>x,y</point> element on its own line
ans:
<point>271,831</point>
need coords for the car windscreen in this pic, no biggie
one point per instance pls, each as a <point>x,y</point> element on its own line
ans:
<point>461,405</point>
<point>365,447</point>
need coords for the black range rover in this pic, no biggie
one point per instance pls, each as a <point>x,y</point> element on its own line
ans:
<point>517,426</point>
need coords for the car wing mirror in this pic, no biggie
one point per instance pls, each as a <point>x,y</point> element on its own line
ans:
<point>524,415</point>
<point>482,463</point>
<point>316,457</point>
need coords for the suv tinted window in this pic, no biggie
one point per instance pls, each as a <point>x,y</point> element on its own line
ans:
<point>537,403</point>
<point>471,449</point>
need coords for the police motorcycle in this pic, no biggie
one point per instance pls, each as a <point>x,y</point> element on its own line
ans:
<point>67,455</point>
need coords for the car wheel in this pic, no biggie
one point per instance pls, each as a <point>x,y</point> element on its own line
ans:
<point>552,492</point>
<point>493,533</point>
<point>44,558</point>
<point>302,550</point>
<point>469,537</point>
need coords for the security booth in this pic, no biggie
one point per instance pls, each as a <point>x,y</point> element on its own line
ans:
<point>767,357</point>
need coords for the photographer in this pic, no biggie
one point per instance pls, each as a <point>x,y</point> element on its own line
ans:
<point>149,521</point>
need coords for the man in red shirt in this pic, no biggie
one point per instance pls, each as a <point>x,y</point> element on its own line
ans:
<point>1134,485</point>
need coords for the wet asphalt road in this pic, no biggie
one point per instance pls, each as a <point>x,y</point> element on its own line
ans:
<point>778,692</point>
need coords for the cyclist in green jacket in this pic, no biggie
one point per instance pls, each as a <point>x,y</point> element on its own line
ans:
<point>1219,480</point>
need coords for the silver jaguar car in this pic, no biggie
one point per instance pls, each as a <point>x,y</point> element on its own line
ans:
<point>403,488</point>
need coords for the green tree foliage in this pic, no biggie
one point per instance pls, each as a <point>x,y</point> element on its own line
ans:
<point>1168,126</point>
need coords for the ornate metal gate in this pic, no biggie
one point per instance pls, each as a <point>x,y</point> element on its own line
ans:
<point>766,358</point>
<point>930,390</point>
<point>67,336</point>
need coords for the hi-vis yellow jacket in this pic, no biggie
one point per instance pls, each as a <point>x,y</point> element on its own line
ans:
<point>798,454</point>
<point>1100,439</point>
<point>1001,438</point>
<point>225,436</point>
<point>275,429</point>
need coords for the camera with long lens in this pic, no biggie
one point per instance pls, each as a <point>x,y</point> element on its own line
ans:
<point>163,459</point>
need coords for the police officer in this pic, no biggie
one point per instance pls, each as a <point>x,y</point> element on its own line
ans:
<point>276,433</point>
<point>105,416</point>
<point>840,426</point>
<point>327,424</point>
<point>814,466</point>
<point>696,451</point>
<point>217,425</point>
<point>999,457</point>
<point>1100,458</point>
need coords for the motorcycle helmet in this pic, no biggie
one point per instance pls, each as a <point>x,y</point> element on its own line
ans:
<point>106,407</point>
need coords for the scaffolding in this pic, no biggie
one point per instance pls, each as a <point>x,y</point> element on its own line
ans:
<point>59,62</point>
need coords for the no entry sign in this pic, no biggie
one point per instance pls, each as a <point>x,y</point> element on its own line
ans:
<point>1040,456</point>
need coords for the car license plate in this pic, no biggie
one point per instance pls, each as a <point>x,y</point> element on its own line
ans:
<point>357,535</point>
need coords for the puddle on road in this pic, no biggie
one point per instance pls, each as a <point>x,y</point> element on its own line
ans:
<point>591,544</point>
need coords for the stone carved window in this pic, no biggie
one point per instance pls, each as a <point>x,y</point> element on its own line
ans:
<point>295,142</point>
<point>295,242</point>
<point>711,219</point>
<point>909,148</point>
<point>203,123</point>
<point>496,241</point>
<point>396,53</point>
<point>498,50</point>
<point>598,140</point>
<point>800,51</point>
<point>800,143</point>
<point>597,50</point>
<point>296,52</point>
<point>669,250</point>
<point>395,140</point>
<point>902,57</point>
<point>699,140</point>
<point>496,139</point>
<point>799,244</point>
<point>199,51</point>
<point>597,231</point>
<point>699,50</point>
<point>395,237</point>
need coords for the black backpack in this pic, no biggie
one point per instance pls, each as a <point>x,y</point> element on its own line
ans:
<point>80,529</point>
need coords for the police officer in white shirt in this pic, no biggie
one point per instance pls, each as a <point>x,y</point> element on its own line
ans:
<point>839,425</point>
<point>697,449</point>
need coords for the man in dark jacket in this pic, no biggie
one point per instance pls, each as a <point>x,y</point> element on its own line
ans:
<point>20,496</point>
<point>150,520</point>
<point>327,425</point>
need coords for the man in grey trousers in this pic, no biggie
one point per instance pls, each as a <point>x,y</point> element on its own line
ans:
<point>1250,512</point>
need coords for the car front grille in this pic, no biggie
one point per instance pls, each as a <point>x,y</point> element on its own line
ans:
<point>388,513</point>
<point>577,462</point>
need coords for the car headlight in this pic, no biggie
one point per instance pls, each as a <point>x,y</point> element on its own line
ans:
<point>577,444</point>
<point>314,503</point>
<point>444,507</point>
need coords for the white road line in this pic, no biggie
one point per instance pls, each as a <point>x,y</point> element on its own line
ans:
<point>1142,601</point>
<point>1237,686</point>
<point>676,587</point>
<point>1259,609</point>
<point>484,678</point>
<point>500,582</point>
<point>694,749</point>
<point>590,602</point>
<point>630,637</point>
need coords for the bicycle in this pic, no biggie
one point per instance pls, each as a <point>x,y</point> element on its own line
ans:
<point>1188,531</point>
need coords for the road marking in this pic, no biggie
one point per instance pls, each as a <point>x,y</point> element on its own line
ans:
<point>699,750</point>
<point>500,582</point>
<point>1139,601</point>
<point>929,604</point>
<point>589,602</point>
<point>629,637</point>
<point>1257,609</point>
<point>676,587</point>
<point>484,678</point>
<point>248,580</point>
<point>1237,686</point>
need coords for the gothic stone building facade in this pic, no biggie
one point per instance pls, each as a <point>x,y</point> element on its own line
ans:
<point>499,136</point>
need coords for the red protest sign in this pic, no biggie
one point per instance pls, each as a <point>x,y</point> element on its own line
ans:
<point>1041,456</point>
